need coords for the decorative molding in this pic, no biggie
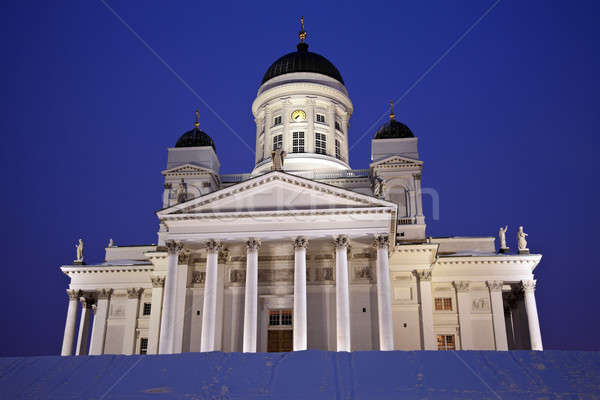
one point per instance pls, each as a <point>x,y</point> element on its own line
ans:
<point>300,243</point>
<point>480,305</point>
<point>341,242</point>
<point>134,293</point>
<point>275,275</point>
<point>363,272</point>
<point>253,244</point>
<point>224,256</point>
<point>184,256</point>
<point>495,286</point>
<point>528,285</point>
<point>158,281</point>
<point>198,277</point>
<point>423,274</point>
<point>462,286</point>
<point>382,241</point>
<point>237,276</point>
<point>103,294</point>
<point>324,274</point>
<point>173,247</point>
<point>213,246</point>
<point>73,294</point>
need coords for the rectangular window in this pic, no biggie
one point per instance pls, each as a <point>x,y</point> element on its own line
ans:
<point>446,342</point>
<point>337,126</point>
<point>338,150</point>
<point>277,142</point>
<point>143,345</point>
<point>320,143</point>
<point>443,304</point>
<point>147,308</point>
<point>321,118</point>
<point>298,142</point>
<point>274,318</point>
<point>277,120</point>
<point>286,317</point>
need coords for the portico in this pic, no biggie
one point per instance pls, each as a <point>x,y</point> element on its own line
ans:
<point>270,211</point>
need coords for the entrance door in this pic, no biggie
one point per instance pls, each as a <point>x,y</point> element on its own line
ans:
<point>279,341</point>
<point>280,336</point>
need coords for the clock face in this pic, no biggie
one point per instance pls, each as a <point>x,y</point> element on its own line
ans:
<point>298,115</point>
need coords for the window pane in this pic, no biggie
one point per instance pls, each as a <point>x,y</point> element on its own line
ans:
<point>274,318</point>
<point>286,317</point>
<point>438,304</point>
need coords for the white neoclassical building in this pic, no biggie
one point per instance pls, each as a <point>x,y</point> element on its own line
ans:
<point>301,253</point>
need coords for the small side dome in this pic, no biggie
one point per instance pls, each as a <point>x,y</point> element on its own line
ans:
<point>195,137</point>
<point>393,129</point>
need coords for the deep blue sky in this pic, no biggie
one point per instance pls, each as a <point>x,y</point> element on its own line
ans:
<point>507,122</point>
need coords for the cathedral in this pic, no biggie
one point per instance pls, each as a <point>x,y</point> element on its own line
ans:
<point>303,252</point>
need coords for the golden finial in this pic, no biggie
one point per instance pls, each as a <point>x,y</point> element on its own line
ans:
<point>302,33</point>
<point>392,115</point>
<point>197,124</point>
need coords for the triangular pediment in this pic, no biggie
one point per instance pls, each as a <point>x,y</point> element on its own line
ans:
<point>187,169</point>
<point>397,161</point>
<point>276,191</point>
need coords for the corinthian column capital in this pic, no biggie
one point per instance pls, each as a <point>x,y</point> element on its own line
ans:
<point>382,241</point>
<point>528,285</point>
<point>73,294</point>
<point>300,243</point>
<point>462,286</point>
<point>341,242</point>
<point>253,244</point>
<point>158,281</point>
<point>173,247</point>
<point>213,246</point>
<point>495,285</point>
<point>423,274</point>
<point>103,294</point>
<point>134,293</point>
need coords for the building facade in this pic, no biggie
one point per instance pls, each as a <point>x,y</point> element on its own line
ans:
<point>302,252</point>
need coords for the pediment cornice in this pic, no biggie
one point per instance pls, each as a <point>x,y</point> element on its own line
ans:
<point>246,187</point>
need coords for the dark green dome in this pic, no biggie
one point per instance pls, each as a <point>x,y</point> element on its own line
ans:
<point>302,61</point>
<point>195,138</point>
<point>393,130</point>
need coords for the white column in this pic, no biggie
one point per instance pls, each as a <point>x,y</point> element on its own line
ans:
<point>464,314</point>
<point>99,327</point>
<point>84,327</point>
<point>535,335</point>
<point>426,300</point>
<point>167,325</point>
<point>69,336</point>
<point>342,294</point>
<point>209,308</point>
<point>299,316</point>
<point>384,295</point>
<point>251,296</point>
<point>131,316</point>
<point>498,314</point>
<point>158,283</point>
<point>181,317</point>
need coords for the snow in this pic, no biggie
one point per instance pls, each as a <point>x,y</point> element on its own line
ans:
<point>309,374</point>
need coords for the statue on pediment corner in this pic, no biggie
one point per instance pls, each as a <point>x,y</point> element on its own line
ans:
<point>79,251</point>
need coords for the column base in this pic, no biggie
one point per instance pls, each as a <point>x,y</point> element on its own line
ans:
<point>523,251</point>
<point>504,250</point>
<point>75,262</point>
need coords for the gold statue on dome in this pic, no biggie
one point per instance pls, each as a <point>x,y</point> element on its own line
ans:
<point>302,34</point>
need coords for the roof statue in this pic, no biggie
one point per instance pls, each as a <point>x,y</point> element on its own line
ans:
<point>278,156</point>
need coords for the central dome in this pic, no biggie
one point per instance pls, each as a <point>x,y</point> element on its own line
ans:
<point>302,61</point>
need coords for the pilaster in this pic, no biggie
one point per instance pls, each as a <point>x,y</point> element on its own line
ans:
<point>464,314</point>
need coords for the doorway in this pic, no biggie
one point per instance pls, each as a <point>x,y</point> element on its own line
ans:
<point>280,334</point>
